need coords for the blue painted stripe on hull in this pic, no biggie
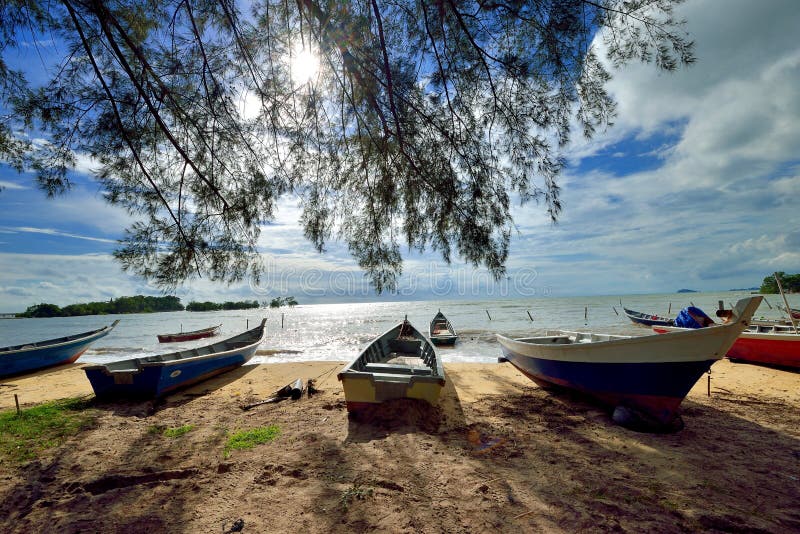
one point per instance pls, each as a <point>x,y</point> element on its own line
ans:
<point>655,388</point>
<point>47,357</point>
<point>157,380</point>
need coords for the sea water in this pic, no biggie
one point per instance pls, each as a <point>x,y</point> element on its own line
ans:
<point>338,332</point>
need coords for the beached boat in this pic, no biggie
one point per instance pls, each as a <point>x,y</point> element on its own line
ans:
<point>441,331</point>
<point>647,319</point>
<point>768,344</point>
<point>211,331</point>
<point>156,376</point>
<point>41,354</point>
<point>398,364</point>
<point>648,375</point>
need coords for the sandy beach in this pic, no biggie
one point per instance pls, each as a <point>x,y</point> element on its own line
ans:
<point>559,465</point>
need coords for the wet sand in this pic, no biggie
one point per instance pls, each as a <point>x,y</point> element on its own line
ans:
<point>558,464</point>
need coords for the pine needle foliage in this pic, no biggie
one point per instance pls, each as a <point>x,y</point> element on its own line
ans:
<point>425,122</point>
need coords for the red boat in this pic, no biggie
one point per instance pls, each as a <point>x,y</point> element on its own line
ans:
<point>772,345</point>
<point>211,331</point>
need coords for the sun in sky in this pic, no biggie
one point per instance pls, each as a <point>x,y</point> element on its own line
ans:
<point>304,64</point>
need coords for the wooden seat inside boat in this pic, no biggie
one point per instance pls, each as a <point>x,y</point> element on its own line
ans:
<point>397,368</point>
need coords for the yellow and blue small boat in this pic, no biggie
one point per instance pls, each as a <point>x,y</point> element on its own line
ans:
<point>400,364</point>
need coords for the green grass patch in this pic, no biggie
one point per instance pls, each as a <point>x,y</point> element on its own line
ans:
<point>23,436</point>
<point>247,439</point>
<point>178,431</point>
<point>170,432</point>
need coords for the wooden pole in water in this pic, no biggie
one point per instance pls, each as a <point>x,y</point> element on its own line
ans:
<point>529,315</point>
<point>487,313</point>
<point>786,303</point>
<point>281,320</point>
<point>247,327</point>
<point>669,309</point>
<point>16,401</point>
<point>586,314</point>
<point>615,310</point>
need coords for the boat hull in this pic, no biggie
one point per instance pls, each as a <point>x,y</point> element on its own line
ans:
<point>157,376</point>
<point>656,389</point>
<point>784,352</point>
<point>363,391</point>
<point>188,336</point>
<point>646,319</point>
<point>176,338</point>
<point>27,360</point>
<point>444,340</point>
<point>780,349</point>
<point>376,375</point>
<point>153,381</point>
<point>648,374</point>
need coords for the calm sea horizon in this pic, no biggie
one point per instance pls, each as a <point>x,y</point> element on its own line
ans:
<point>339,331</point>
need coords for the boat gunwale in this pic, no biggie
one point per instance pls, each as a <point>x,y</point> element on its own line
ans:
<point>719,331</point>
<point>68,340</point>
<point>437,371</point>
<point>143,362</point>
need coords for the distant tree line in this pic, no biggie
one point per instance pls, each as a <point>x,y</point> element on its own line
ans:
<point>277,302</point>
<point>789,282</point>
<point>136,304</point>
<point>214,306</point>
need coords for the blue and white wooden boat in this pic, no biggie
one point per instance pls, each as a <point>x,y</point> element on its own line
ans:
<point>647,375</point>
<point>648,319</point>
<point>34,356</point>
<point>156,376</point>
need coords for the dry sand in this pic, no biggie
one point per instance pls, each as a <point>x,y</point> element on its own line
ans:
<point>562,465</point>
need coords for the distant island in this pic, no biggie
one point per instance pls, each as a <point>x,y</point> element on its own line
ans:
<point>789,282</point>
<point>686,291</point>
<point>213,306</point>
<point>136,304</point>
<point>277,302</point>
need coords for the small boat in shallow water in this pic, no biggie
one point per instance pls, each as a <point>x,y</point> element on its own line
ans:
<point>441,332</point>
<point>647,375</point>
<point>42,354</point>
<point>766,344</point>
<point>647,319</point>
<point>211,331</point>
<point>156,376</point>
<point>398,364</point>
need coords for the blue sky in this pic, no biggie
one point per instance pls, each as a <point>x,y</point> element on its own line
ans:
<point>695,186</point>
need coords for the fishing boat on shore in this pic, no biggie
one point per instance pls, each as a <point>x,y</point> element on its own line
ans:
<point>211,331</point>
<point>42,354</point>
<point>777,345</point>
<point>644,379</point>
<point>647,319</point>
<point>156,376</point>
<point>399,364</point>
<point>441,331</point>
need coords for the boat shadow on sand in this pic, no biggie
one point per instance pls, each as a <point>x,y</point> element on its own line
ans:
<point>130,406</point>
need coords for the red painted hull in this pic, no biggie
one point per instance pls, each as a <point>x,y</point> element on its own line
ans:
<point>783,352</point>
<point>188,336</point>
